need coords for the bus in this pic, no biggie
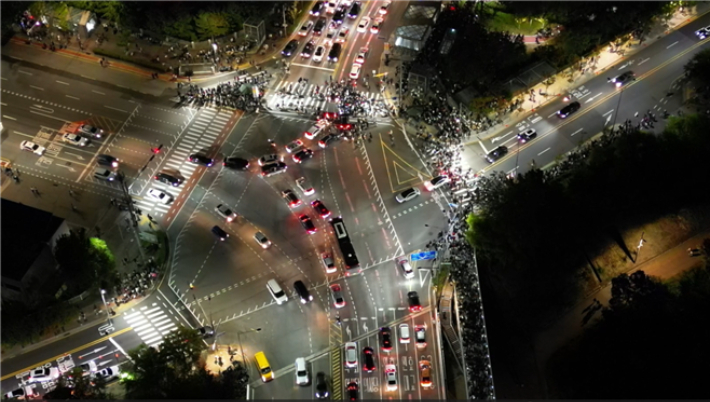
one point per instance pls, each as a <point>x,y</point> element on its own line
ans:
<point>264,367</point>
<point>346,247</point>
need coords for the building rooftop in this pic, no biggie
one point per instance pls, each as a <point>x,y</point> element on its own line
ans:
<point>25,231</point>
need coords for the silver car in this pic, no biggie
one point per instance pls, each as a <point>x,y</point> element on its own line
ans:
<point>91,130</point>
<point>407,195</point>
<point>263,241</point>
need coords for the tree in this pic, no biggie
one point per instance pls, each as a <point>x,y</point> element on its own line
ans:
<point>111,10</point>
<point>76,385</point>
<point>211,25</point>
<point>84,261</point>
<point>696,71</point>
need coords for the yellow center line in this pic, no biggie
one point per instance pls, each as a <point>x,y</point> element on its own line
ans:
<point>92,343</point>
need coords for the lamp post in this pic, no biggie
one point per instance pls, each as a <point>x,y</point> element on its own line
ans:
<point>103,298</point>
<point>239,339</point>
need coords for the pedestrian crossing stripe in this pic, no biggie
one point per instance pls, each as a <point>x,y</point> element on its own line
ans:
<point>308,92</point>
<point>150,323</point>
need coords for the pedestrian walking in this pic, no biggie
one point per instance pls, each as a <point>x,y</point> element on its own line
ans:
<point>71,193</point>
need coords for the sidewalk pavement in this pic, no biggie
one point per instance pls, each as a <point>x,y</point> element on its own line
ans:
<point>101,219</point>
<point>228,359</point>
<point>588,310</point>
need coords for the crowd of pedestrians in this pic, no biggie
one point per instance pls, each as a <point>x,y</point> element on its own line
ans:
<point>238,93</point>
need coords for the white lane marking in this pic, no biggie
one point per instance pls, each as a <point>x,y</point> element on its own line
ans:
<point>97,92</point>
<point>51,117</point>
<point>35,87</point>
<point>644,60</point>
<point>672,44</point>
<point>62,82</point>
<point>576,132</point>
<point>72,97</point>
<point>3,103</point>
<point>535,120</point>
<point>612,110</point>
<point>552,115</point>
<point>4,79</point>
<point>113,108</point>
<point>593,97</point>
<point>543,152</point>
<point>24,72</point>
<point>319,68</point>
<point>8,117</point>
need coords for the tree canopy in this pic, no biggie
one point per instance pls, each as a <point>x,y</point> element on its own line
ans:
<point>175,371</point>
<point>84,261</point>
<point>697,72</point>
<point>534,234</point>
<point>648,345</point>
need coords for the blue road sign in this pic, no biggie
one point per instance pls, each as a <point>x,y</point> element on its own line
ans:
<point>424,255</point>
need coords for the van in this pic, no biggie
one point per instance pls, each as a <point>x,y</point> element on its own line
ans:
<point>264,367</point>
<point>276,292</point>
<point>104,174</point>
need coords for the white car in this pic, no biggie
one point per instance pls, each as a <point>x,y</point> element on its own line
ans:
<point>331,6</point>
<point>301,371</point>
<point>305,186</point>
<point>108,374</point>
<point>160,196</point>
<point>226,213</point>
<point>404,333</point>
<point>263,241</point>
<point>385,8</point>
<point>364,22</point>
<point>32,147</point>
<point>375,28</point>
<point>318,54</point>
<point>351,354</point>
<point>43,375</point>
<point>407,195</point>
<point>391,377</point>
<point>24,392</point>
<point>437,182</point>
<point>294,145</point>
<point>355,71</point>
<point>306,28</point>
<point>328,262</point>
<point>75,139</point>
<point>268,159</point>
<point>406,268</point>
<point>361,55</point>
<point>342,35</point>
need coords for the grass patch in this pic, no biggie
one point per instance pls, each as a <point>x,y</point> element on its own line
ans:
<point>501,22</point>
<point>439,280</point>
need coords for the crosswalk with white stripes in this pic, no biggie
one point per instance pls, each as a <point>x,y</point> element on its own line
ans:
<point>201,135</point>
<point>150,323</point>
<point>310,98</point>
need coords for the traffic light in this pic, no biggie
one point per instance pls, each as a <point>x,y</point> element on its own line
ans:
<point>157,149</point>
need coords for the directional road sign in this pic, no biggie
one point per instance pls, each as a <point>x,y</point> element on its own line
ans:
<point>424,255</point>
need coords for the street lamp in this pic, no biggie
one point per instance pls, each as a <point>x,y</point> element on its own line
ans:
<point>103,298</point>
<point>239,339</point>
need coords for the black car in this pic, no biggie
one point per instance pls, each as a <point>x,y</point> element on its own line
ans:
<point>414,305</point>
<point>107,160</point>
<point>623,79</point>
<point>497,153</point>
<point>317,8</point>
<point>307,224</point>
<point>569,109</point>
<point>273,168</point>
<point>220,233</point>
<point>352,391</point>
<point>201,159</point>
<point>323,143</point>
<point>386,334</point>
<point>369,360</point>
<point>334,53</point>
<point>339,15</point>
<point>302,155</point>
<point>321,386</point>
<point>290,48</point>
<point>303,292</point>
<point>527,135</point>
<point>308,49</point>
<point>206,332</point>
<point>354,10</point>
<point>168,179</point>
<point>318,28</point>
<point>236,163</point>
